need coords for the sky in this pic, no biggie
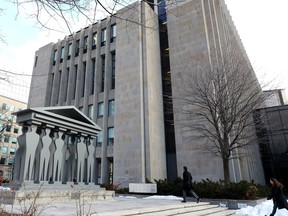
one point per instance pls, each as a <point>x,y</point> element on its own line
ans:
<point>261,24</point>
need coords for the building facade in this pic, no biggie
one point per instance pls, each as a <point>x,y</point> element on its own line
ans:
<point>9,131</point>
<point>119,81</point>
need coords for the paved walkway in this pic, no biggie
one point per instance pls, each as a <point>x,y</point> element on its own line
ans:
<point>125,206</point>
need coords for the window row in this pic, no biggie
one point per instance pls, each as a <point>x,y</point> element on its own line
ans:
<point>11,108</point>
<point>6,161</point>
<point>7,139</point>
<point>85,45</point>
<point>77,79</point>
<point>100,110</point>
<point>8,128</point>
<point>110,137</point>
<point>9,118</point>
<point>4,150</point>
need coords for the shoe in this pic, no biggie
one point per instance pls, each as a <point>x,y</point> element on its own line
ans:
<point>198,200</point>
<point>183,201</point>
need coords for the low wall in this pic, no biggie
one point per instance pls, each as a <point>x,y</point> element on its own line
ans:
<point>142,188</point>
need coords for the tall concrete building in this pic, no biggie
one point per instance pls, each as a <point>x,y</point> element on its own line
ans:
<point>118,79</point>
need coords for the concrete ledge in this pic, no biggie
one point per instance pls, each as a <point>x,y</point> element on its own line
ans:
<point>234,204</point>
<point>142,188</point>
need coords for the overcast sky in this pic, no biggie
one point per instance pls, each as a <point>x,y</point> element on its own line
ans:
<point>261,24</point>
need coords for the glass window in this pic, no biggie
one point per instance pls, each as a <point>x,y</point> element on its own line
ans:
<point>111,108</point>
<point>16,130</point>
<point>92,81</point>
<point>103,37</point>
<point>99,138</point>
<point>10,118</point>
<point>77,48</point>
<point>103,72</point>
<point>100,110</point>
<point>113,33</point>
<point>90,111</point>
<point>94,40</point>
<point>19,109</point>
<point>4,106</point>
<point>4,149</point>
<point>3,160</point>
<point>69,50</point>
<point>110,136</point>
<point>12,151</point>
<point>14,140</point>
<point>6,138</point>
<point>1,127</point>
<point>8,128</point>
<point>2,116</point>
<point>55,57</point>
<point>85,44</point>
<point>113,71</point>
<point>62,54</point>
<point>11,161</point>
<point>12,108</point>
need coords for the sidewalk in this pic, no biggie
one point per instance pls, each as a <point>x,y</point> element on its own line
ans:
<point>121,205</point>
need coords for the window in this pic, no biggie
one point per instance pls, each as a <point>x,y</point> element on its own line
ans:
<point>62,54</point>
<point>84,77</point>
<point>100,110</point>
<point>10,118</point>
<point>19,109</point>
<point>94,40</point>
<point>4,106</point>
<point>8,128</point>
<point>103,73</point>
<point>36,60</point>
<point>99,138</point>
<point>16,130</point>
<point>90,111</point>
<point>113,33</point>
<point>66,84</point>
<point>11,161</point>
<point>3,160</point>
<point>77,48</point>
<point>55,57</point>
<point>103,37</point>
<point>110,136</point>
<point>92,76</point>
<point>59,86</point>
<point>2,116</point>
<point>111,108</point>
<point>113,71</point>
<point>4,149</point>
<point>85,44</point>
<point>14,140</point>
<point>69,51</point>
<point>6,138</point>
<point>12,151</point>
<point>12,108</point>
<point>75,81</point>
<point>81,109</point>
<point>1,127</point>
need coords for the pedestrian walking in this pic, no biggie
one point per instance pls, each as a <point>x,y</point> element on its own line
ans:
<point>187,185</point>
<point>279,200</point>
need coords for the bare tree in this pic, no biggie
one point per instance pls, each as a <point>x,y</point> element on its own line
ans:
<point>216,103</point>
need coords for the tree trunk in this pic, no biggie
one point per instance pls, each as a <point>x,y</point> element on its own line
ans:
<point>226,170</point>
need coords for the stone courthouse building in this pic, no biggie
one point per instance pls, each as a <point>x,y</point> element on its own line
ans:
<point>113,71</point>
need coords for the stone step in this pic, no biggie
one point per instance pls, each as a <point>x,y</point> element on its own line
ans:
<point>191,209</point>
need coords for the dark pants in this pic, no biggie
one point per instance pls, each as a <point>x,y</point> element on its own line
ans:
<point>274,210</point>
<point>190,191</point>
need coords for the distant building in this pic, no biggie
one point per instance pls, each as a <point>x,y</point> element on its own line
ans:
<point>276,97</point>
<point>272,132</point>
<point>9,131</point>
<point>117,80</point>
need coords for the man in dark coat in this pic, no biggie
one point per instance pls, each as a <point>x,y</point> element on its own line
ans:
<point>279,200</point>
<point>187,185</point>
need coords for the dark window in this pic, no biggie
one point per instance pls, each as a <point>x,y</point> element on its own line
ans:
<point>59,85</point>
<point>103,73</point>
<point>4,106</point>
<point>66,84</point>
<point>110,140</point>
<point>77,48</point>
<point>35,62</point>
<point>6,138</point>
<point>3,160</point>
<point>84,77</point>
<point>16,130</point>
<point>92,76</point>
<point>85,44</point>
<point>113,71</point>
<point>103,37</point>
<point>75,81</point>
<point>8,128</point>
